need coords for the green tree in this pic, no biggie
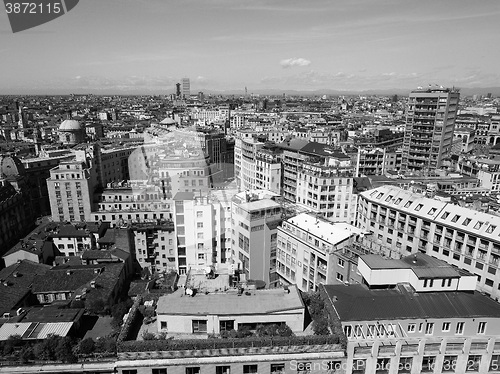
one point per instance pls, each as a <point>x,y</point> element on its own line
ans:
<point>105,344</point>
<point>284,330</point>
<point>64,350</point>
<point>86,346</point>
<point>148,336</point>
<point>46,350</point>
<point>96,306</point>
<point>26,354</point>
<point>12,342</point>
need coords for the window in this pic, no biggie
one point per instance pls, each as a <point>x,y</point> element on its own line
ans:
<point>494,363</point>
<point>277,368</point>
<point>250,369</point>
<point>432,211</point>
<point>449,364</point>
<point>466,221</point>
<point>445,215</point>
<point>428,364</point>
<point>159,371</point>
<point>383,365</point>
<point>199,326</point>
<point>481,328</point>
<point>460,328</point>
<point>340,277</point>
<point>418,207</point>
<point>226,325</point>
<point>473,363</point>
<point>478,225</point>
<point>446,326</point>
<point>163,325</point>
<point>490,229</point>
<point>199,225</point>
<point>193,370</point>
<point>223,369</point>
<point>358,366</point>
<point>456,218</point>
<point>429,328</point>
<point>408,203</point>
<point>341,262</point>
<point>411,327</point>
<point>303,367</point>
<point>405,364</point>
<point>199,214</point>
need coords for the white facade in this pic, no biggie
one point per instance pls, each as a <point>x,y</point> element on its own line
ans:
<point>306,253</point>
<point>403,223</point>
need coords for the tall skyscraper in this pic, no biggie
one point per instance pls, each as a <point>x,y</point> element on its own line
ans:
<point>186,88</point>
<point>430,122</point>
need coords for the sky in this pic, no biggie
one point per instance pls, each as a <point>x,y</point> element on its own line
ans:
<point>146,46</point>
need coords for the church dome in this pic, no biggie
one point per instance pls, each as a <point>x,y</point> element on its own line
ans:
<point>70,125</point>
<point>10,166</point>
<point>168,121</point>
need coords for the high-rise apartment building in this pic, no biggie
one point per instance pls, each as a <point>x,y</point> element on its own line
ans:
<point>186,88</point>
<point>430,122</point>
<point>255,218</point>
<point>71,186</point>
<point>320,180</point>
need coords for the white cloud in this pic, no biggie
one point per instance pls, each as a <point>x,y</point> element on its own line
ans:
<point>294,61</point>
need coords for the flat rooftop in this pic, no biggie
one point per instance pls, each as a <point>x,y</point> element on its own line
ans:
<point>358,303</point>
<point>229,303</point>
<point>332,232</point>
<point>423,266</point>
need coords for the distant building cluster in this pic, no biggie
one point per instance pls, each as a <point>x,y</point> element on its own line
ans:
<point>196,233</point>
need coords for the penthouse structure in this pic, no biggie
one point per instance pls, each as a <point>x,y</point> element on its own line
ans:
<point>214,313</point>
<point>430,121</point>
<point>405,223</point>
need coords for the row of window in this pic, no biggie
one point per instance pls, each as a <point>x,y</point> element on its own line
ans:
<point>381,330</point>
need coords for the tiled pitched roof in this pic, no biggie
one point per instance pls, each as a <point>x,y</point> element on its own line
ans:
<point>19,277</point>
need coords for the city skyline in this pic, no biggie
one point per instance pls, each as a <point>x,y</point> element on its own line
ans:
<point>146,47</point>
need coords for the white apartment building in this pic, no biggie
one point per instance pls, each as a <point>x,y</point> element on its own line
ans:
<point>255,216</point>
<point>403,222</point>
<point>70,187</point>
<point>308,251</point>
<point>199,227</point>
<point>245,152</point>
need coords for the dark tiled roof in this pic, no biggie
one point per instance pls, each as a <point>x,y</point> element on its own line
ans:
<point>52,314</point>
<point>322,150</point>
<point>58,280</point>
<point>69,231</point>
<point>95,255</point>
<point>357,303</point>
<point>19,286</point>
<point>293,144</point>
<point>184,196</point>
